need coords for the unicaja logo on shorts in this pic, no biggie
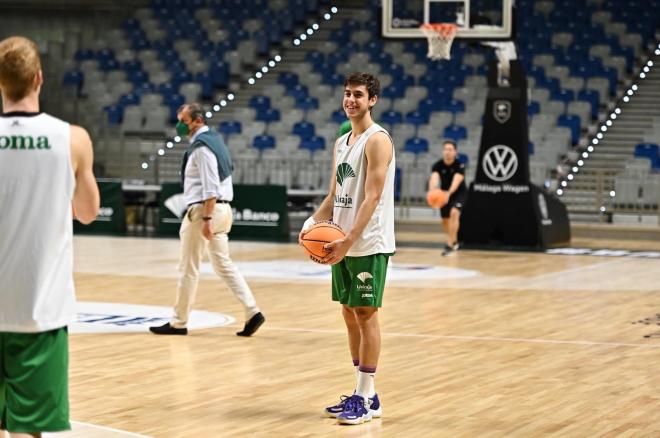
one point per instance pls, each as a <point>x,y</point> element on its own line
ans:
<point>344,170</point>
<point>500,163</point>
<point>363,277</point>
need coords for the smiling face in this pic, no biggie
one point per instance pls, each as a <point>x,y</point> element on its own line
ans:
<point>357,102</point>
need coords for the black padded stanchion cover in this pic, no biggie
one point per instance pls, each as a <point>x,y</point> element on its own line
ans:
<point>503,208</point>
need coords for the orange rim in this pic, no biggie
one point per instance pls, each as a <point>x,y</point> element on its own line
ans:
<point>444,29</point>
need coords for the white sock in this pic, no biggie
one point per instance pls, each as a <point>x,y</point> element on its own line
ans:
<point>365,386</point>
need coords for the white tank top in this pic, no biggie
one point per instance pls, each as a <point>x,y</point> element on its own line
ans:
<point>36,256</point>
<point>351,171</point>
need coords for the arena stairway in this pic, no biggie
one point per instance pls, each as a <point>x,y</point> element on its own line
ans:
<point>592,185</point>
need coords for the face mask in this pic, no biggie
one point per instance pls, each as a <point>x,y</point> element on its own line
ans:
<point>182,129</point>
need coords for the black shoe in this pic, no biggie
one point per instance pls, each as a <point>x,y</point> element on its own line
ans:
<point>167,329</point>
<point>449,249</point>
<point>252,325</point>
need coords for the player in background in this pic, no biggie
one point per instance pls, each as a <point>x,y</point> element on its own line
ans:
<point>449,174</point>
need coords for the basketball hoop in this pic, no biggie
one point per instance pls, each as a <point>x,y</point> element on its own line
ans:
<point>440,36</point>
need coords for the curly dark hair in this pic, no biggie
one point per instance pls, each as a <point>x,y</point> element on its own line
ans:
<point>370,81</point>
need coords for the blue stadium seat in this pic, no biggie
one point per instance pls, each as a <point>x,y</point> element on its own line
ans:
<point>455,132</point>
<point>312,143</point>
<point>650,151</point>
<point>417,118</point>
<point>259,102</point>
<point>391,117</point>
<point>428,106</point>
<point>593,98</point>
<point>298,92</point>
<point>128,99</point>
<point>115,114</point>
<point>463,159</point>
<point>307,103</point>
<point>220,74</point>
<point>573,123</point>
<point>533,108</point>
<point>287,79</point>
<point>440,94</point>
<point>73,78</point>
<point>565,96</point>
<point>83,55</point>
<point>173,102</point>
<point>394,70</point>
<point>315,58</point>
<point>303,130</point>
<point>394,91</point>
<point>144,88</point>
<point>268,115</point>
<point>339,116</point>
<point>416,145</point>
<point>454,106</point>
<point>204,79</point>
<point>137,77</point>
<point>262,142</point>
<point>229,127</point>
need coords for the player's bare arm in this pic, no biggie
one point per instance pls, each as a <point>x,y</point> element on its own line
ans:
<point>86,198</point>
<point>379,152</point>
<point>434,181</point>
<point>456,183</point>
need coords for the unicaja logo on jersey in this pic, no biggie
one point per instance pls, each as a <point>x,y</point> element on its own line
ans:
<point>344,170</point>
<point>500,163</point>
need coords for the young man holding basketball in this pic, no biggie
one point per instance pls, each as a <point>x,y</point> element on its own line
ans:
<point>361,202</point>
<point>449,175</point>
<point>45,180</point>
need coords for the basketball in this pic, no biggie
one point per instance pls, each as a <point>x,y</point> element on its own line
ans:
<point>318,235</point>
<point>437,198</point>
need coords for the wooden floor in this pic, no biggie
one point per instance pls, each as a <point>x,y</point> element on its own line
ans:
<point>533,345</point>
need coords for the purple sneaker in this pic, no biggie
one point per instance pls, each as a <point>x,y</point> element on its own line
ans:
<point>356,411</point>
<point>374,407</point>
<point>334,411</point>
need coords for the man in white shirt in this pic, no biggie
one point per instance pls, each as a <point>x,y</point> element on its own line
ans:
<point>208,190</point>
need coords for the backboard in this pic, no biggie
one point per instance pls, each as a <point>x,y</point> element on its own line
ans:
<point>476,19</point>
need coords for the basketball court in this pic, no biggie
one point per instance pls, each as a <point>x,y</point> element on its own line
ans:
<point>497,344</point>
<point>536,326</point>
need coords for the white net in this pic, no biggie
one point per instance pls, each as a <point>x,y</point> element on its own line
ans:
<point>440,37</point>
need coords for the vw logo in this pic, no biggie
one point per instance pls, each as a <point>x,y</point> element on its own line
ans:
<point>500,163</point>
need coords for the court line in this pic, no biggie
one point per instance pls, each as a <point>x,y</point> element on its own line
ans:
<point>576,269</point>
<point>110,429</point>
<point>479,338</point>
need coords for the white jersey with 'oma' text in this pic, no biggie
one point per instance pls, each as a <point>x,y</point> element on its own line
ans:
<point>36,255</point>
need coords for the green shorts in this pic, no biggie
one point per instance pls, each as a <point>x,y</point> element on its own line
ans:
<point>360,281</point>
<point>34,394</point>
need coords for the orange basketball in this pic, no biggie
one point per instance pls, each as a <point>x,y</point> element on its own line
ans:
<point>318,235</point>
<point>437,198</point>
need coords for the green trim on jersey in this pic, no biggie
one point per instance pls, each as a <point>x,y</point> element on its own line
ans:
<point>34,393</point>
<point>360,281</point>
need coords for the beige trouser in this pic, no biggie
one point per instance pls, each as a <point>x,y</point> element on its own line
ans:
<point>193,246</point>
